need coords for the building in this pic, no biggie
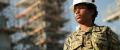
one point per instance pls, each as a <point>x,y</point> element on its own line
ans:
<point>5,41</point>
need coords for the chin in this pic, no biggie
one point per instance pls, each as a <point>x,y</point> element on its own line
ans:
<point>78,20</point>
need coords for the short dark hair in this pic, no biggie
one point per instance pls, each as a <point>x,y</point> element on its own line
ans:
<point>89,6</point>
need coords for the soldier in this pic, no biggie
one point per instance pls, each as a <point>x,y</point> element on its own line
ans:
<point>90,36</point>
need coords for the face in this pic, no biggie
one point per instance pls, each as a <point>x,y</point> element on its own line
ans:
<point>83,14</point>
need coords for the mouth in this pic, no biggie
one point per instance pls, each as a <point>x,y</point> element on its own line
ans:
<point>78,17</point>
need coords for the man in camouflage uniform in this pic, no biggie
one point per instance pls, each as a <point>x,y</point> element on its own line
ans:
<point>90,36</point>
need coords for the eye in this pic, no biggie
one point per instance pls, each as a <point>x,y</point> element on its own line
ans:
<point>76,11</point>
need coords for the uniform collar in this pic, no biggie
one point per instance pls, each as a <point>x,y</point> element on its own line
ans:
<point>89,29</point>
<point>94,28</point>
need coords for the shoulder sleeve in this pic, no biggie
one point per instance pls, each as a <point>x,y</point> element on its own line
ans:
<point>114,43</point>
<point>67,43</point>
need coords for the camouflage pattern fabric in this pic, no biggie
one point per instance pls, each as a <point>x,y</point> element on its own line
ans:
<point>96,38</point>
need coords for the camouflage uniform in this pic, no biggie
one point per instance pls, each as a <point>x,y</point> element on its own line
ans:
<point>97,38</point>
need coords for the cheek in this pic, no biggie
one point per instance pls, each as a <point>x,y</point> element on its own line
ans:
<point>92,12</point>
<point>89,13</point>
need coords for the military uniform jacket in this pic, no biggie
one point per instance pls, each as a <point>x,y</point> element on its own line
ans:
<point>96,38</point>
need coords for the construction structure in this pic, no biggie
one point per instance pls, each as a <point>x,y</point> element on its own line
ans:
<point>114,14</point>
<point>37,25</point>
<point>3,4</point>
<point>5,41</point>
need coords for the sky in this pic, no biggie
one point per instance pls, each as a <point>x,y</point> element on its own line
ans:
<point>102,6</point>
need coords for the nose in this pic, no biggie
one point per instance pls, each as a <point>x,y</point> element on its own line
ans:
<point>77,13</point>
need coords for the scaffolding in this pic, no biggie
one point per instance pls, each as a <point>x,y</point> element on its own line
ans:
<point>35,24</point>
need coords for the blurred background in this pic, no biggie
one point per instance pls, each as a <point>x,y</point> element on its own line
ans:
<point>44,24</point>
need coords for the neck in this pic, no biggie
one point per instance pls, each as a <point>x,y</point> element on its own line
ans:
<point>85,27</point>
